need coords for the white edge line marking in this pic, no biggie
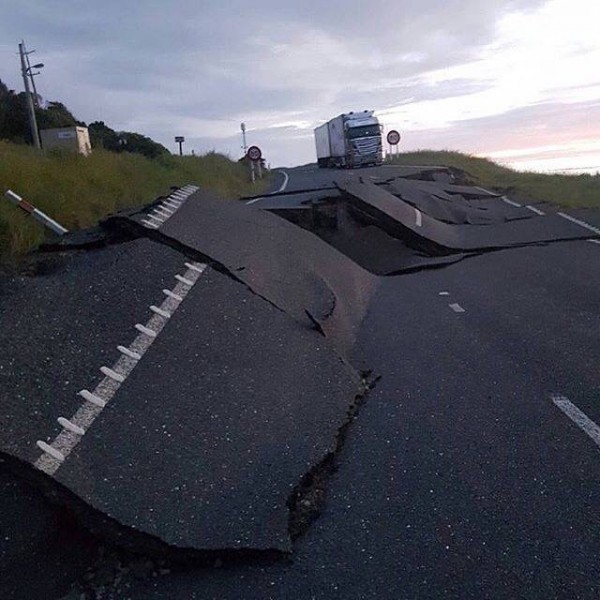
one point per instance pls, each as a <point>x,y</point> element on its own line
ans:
<point>419,216</point>
<point>578,417</point>
<point>172,295</point>
<point>161,215</point>
<point>199,268</point>
<point>128,352</point>
<point>457,308</point>
<point>537,211</point>
<point>184,280</point>
<point>286,178</point>
<point>142,329</point>
<point>54,454</point>
<point>112,374</point>
<point>87,395</point>
<point>578,222</point>
<point>160,311</point>
<point>149,224</point>
<point>505,199</point>
<point>48,449</point>
<point>66,424</point>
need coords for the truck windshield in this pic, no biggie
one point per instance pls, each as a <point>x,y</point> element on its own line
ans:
<point>365,131</point>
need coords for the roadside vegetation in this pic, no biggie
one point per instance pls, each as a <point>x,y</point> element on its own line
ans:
<point>77,191</point>
<point>566,190</point>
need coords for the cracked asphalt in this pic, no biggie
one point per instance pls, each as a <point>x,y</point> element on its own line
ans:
<point>460,476</point>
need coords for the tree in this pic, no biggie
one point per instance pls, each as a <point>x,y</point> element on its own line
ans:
<point>13,116</point>
<point>56,115</point>
<point>103,136</point>
<point>14,126</point>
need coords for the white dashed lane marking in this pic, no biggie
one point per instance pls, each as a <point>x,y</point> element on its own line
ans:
<point>55,453</point>
<point>594,241</point>
<point>578,417</point>
<point>537,211</point>
<point>579,222</point>
<point>457,308</point>
<point>419,218</point>
<point>511,202</point>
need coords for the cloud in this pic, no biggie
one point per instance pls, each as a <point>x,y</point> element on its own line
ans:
<point>199,69</point>
<point>526,137</point>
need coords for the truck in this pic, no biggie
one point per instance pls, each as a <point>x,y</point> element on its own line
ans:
<point>350,140</point>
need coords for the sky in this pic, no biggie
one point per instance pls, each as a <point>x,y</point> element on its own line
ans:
<point>517,81</point>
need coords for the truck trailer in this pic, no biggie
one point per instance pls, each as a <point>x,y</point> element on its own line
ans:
<point>351,140</point>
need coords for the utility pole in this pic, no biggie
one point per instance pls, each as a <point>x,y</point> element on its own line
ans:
<point>30,108</point>
<point>244,146</point>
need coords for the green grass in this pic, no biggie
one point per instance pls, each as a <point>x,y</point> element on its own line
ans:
<point>77,191</point>
<point>565,190</point>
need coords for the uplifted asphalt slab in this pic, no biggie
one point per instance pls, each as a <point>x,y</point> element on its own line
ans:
<point>204,443</point>
<point>59,328</point>
<point>292,268</point>
<point>400,219</point>
<point>455,204</point>
<point>169,404</point>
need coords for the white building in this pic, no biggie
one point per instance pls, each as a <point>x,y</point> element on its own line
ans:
<point>76,139</point>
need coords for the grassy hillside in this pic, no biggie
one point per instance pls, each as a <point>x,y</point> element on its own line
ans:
<point>566,190</point>
<point>77,191</point>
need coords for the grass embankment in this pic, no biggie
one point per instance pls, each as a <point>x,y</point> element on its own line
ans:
<point>77,191</point>
<point>566,190</point>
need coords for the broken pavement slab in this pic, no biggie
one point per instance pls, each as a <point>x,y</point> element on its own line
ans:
<point>59,328</point>
<point>204,442</point>
<point>292,268</point>
<point>456,205</point>
<point>400,219</point>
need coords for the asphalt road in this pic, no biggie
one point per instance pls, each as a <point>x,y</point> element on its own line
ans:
<point>469,472</point>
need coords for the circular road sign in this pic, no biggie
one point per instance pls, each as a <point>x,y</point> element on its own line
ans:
<point>393,137</point>
<point>254,153</point>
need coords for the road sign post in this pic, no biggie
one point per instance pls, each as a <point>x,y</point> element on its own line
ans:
<point>393,139</point>
<point>180,139</point>
<point>254,155</point>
